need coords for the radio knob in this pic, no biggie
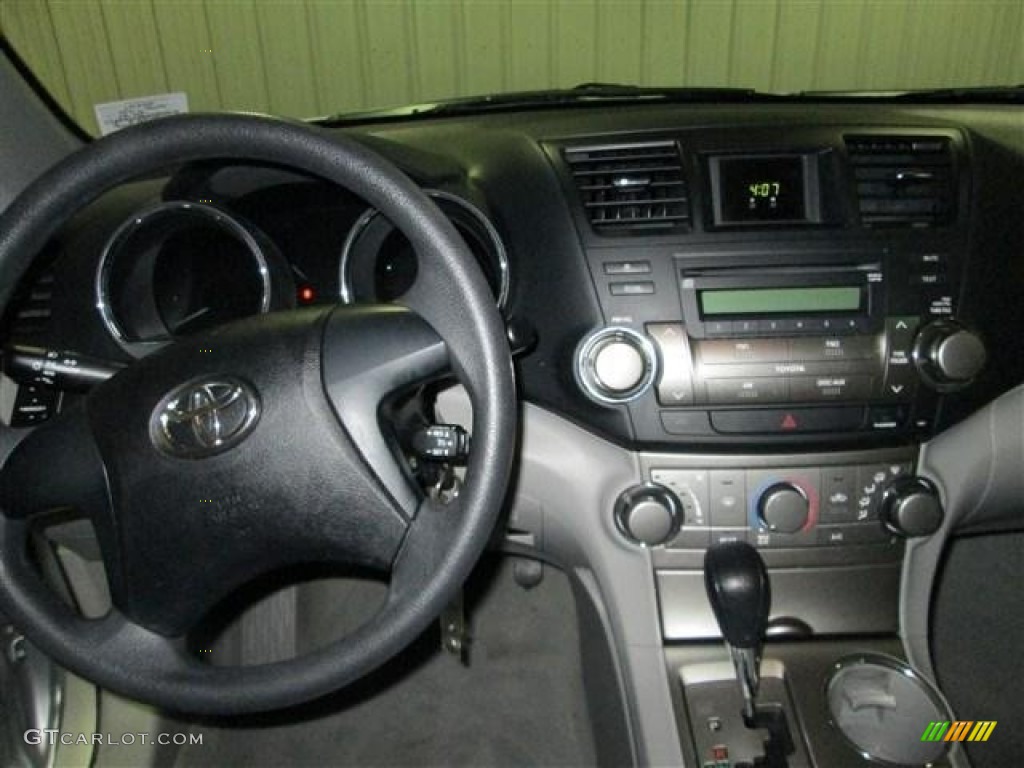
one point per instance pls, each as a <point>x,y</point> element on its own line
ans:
<point>911,507</point>
<point>615,365</point>
<point>648,514</point>
<point>783,508</point>
<point>948,355</point>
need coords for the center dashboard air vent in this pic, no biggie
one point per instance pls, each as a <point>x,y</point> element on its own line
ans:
<point>903,181</point>
<point>631,188</point>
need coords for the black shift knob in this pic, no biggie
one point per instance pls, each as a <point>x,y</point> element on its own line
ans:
<point>738,589</point>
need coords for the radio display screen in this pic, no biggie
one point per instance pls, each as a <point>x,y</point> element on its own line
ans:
<point>777,301</point>
<point>760,190</point>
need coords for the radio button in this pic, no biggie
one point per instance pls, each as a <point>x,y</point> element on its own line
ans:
<point>729,391</point>
<point>835,348</point>
<point>627,267</point>
<point>726,351</point>
<point>745,327</point>
<point>831,388</point>
<point>638,288</point>
<point>675,385</point>
<point>772,421</point>
<point>900,332</point>
<point>678,393</point>
<point>900,383</point>
<point>718,328</point>
<point>886,418</point>
<point>686,422</point>
<point>771,327</point>
<point>900,376</point>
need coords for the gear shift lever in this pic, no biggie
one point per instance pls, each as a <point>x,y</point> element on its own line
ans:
<point>737,583</point>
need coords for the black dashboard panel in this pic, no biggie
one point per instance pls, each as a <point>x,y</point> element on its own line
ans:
<point>808,244</point>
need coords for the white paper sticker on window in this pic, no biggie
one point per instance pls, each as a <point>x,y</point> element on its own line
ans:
<point>115,115</point>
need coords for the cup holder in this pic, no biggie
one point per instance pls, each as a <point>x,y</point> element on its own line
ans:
<point>881,706</point>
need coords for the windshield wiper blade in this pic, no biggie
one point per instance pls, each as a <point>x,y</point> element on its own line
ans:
<point>615,90</point>
<point>594,93</point>
<point>988,94</point>
<point>582,94</point>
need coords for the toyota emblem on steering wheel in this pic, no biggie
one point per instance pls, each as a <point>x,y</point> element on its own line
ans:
<point>205,417</point>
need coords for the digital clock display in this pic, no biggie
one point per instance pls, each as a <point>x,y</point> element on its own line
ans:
<point>758,190</point>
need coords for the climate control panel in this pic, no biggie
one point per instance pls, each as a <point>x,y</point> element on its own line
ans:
<point>776,507</point>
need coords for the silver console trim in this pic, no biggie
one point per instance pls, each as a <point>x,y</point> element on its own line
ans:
<point>649,460</point>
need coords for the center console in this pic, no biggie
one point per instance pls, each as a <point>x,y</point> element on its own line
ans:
<point>779,358</point>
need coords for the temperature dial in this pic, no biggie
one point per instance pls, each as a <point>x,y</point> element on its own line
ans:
<point>783,508</point>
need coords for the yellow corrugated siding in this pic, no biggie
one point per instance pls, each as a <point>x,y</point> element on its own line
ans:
<point>312,57</point>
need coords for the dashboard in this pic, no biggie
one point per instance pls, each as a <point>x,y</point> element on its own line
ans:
<point>750,317</point>
<point>699,276</point>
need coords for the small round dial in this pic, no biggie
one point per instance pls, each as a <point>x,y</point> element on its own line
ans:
<point>783,508</point>
<point>648,514</point>
<point>615,365</point>
<point>948,355</point>
<point>911,507</point>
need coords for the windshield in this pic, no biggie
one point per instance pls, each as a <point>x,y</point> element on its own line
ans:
<point>308,58</point>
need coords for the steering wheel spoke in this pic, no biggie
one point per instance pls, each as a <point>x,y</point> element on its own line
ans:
<point>55,466</point>
<point>371,353</point>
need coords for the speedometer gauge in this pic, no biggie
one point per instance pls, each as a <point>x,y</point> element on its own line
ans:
<point>177,269</point>
<point>378,263</point>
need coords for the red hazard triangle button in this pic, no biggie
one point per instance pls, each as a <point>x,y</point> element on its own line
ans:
<point>788,422</point>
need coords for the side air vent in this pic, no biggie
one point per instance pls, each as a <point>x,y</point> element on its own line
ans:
<point>631,187</point>
<point>31,304</point>
<point>903,181</point>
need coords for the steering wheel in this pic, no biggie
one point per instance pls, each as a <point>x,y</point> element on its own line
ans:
<point>257,446</point>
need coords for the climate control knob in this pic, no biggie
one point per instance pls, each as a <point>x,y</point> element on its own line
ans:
<point>911,507</point>
<point>615,365</point>
<point>648,514</point>
<point>948,355</point>
<point>783,508</point>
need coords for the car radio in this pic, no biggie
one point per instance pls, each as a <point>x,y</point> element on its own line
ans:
<point>786,335</point>
<point>829,347</point>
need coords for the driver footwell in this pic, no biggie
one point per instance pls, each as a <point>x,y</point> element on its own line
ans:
<point>519,701</point>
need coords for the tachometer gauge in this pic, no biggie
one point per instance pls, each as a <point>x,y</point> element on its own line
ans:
<point>180,268</point>
<point>378,263</point>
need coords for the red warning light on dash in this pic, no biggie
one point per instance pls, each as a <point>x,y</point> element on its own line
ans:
<point>307,295</point>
